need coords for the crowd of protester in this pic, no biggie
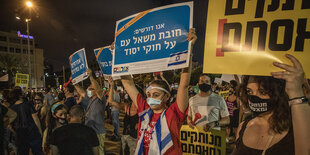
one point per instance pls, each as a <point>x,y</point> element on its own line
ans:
<point>258,114</point>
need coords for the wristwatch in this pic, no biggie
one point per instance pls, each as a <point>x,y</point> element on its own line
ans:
<point>298,100</point>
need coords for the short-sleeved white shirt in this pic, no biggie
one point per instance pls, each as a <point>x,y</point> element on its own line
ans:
<point>211,108</point>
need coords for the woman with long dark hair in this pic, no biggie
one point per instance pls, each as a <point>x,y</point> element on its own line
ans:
<point>280,113</point>
<point>57,117</point>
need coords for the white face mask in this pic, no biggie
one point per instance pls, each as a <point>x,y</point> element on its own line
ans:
<point>89,93</point>
<point>153,102</point>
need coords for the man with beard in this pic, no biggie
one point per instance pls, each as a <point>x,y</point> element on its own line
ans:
<point>207,109</point>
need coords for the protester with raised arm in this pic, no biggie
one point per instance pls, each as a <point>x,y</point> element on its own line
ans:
<point>95,102</point>
<point>159,122</point>
<point>114,101</point>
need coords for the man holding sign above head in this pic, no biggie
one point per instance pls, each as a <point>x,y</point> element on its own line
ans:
<point>159,125</point>
<point>114,101</point>
<point>207,109</point>
<point>95,101</point>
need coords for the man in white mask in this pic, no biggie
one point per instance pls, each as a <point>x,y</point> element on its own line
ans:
<point>95,103</point>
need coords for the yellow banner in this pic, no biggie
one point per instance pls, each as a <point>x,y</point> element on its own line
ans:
<point>197,141</point>
<point>22,80</point>
<point>224,94</point>
<point>245,36</point>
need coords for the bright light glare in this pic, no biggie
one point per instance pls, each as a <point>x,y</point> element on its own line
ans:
<point>29,4</point>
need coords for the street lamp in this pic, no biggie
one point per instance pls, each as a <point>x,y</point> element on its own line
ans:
<point>29,5</point>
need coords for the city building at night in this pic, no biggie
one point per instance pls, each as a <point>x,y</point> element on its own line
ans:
<point>16,44</point>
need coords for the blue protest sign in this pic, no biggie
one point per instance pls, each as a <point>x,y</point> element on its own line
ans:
<point>153,40</point>
<point>78,64</point>
<point>104,58</point>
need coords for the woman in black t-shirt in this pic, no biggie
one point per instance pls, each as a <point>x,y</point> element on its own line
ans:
<point>131,121</point>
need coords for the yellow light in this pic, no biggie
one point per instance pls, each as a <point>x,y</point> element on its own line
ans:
<point>29,4</point>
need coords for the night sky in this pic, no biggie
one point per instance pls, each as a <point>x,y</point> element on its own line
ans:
<point>61,27</point>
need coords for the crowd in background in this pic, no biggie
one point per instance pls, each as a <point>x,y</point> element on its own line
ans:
<point>32,117</point>
<point>258,114</point>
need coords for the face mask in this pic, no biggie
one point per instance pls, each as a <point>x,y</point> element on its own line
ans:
<point>152,101</point>
<point>204,87</point>
<point>258,105</point>
<point>89,93</point>
<point>62,121</point>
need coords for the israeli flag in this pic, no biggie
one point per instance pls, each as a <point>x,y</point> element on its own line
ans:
<point>178,58</point>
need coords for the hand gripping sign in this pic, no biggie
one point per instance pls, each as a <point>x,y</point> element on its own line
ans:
<point>245,37</point>
<point>153,40</point>
<point>78,64</point>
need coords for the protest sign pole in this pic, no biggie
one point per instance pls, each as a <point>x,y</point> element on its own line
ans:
<point>63,74</point>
